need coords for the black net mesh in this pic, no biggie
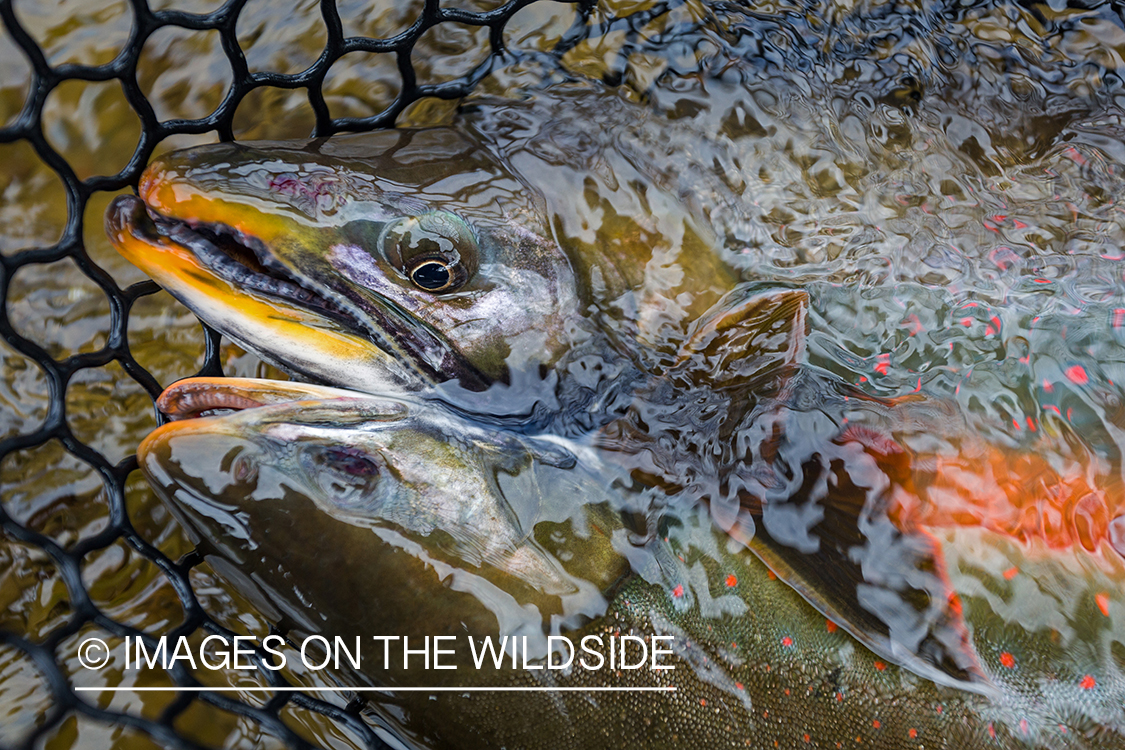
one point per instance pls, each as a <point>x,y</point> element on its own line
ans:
<point>71,562</point>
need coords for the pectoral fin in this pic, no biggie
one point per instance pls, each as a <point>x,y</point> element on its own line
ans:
<point>744,339</point>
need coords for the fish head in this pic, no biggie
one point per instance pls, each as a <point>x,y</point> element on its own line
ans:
<point>336,503</point>
<point>389,259</point>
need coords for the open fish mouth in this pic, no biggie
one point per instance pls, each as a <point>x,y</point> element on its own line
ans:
<point>228,253</point>
<point>225,251</point>
<point>235,282</point>
<point>204,397</point>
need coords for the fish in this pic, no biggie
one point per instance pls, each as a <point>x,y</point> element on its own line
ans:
<point>443,526</point>
<point>402,259</point>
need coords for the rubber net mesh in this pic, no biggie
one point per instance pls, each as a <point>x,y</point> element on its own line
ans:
<point>78,523</point>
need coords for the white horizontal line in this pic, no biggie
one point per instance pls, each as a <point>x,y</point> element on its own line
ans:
<point>290,689</point>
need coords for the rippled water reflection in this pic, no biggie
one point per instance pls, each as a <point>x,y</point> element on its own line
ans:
<point>943,181</point>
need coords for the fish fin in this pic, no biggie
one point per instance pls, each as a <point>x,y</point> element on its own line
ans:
<point>833,543</point>
<point>744,338</point>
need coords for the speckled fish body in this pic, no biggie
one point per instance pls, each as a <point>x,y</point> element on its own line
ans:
<point>439,526</point>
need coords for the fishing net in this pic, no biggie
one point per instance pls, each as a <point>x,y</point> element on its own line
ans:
<point>50,553</point>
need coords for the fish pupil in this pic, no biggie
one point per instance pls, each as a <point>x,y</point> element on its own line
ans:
<point>351,463</point>
<point>431,275</point>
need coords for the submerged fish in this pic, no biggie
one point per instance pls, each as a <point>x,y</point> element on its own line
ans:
<point>442,527</point>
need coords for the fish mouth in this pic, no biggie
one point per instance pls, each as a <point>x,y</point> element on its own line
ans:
<point>239,284</point>
<point>230,254</point>
<point>195,398</point>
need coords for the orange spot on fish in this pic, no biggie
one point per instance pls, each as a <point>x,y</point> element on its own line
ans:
<point>880,666</point>
<point>732,581</point>
<point>1011,573</point>
<point>1077,374</point>
<point>876,724</point>
<point>830,626</point>
<point>703,702</point>
<point>678,591</point>
<point>1008,660</point>
<point>806,738</point>
<point>772,575</point>
<point>1102,600</point>
<point>1088,682</point>
<point>912,733</point>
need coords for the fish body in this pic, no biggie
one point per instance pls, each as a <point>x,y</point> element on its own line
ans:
<point>443,527</point>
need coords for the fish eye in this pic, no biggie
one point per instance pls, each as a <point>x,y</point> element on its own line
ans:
<point>353,463</point>
<point>432,275</point>
<point>436,251</point>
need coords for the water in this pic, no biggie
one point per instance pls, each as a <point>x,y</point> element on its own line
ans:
<point>943,181</point>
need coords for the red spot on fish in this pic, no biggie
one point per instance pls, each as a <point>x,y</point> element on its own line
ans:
<point>839,697</point>
<point>876,724</point>
<point>1023,726</point>
<point>806,738</point>
<point>1019,224</point>
<point>1008,660</point>
<point>1031,424</point>
<point>1011,573</point>
<point>1118,317</point>
<point>914,325</point>
<point>912,733</point>
<point>1042,281</point>
<point>1016,424</point>
<point>1088,682</point>
<point>991,730</point>
<point>882,364</point>
<point>738,685</point>
<point>831,626</point>
<point>678,591</point>
<point>966,322</point>
<point>880,666</point>
<point>1102,600</point>
<point>732,581</point>
<point>1077,375</point>
<point>772,575</point>
<point>1073,154</point>
<point>786,641</point>
<point>703,702</point>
